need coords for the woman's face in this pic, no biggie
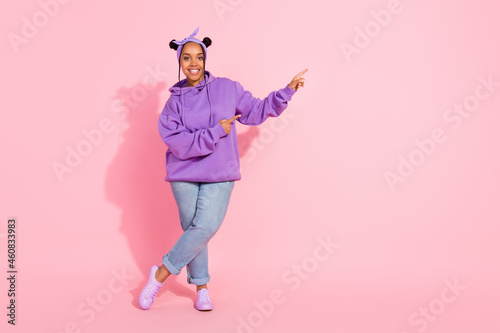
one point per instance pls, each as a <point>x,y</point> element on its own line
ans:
<point>192,63</point>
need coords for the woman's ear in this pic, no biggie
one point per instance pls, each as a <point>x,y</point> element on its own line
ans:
<point>207,41</point>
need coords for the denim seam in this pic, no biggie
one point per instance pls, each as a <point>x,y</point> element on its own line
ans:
<point>171,268</point>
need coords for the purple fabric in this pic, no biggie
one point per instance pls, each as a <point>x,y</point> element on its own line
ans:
<point>198,147</point>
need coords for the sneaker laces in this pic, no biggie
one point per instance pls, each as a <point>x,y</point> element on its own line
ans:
<point>151,290</point>
<point>203,295</point>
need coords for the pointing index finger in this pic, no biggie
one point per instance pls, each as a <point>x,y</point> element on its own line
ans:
<point>234,118</point>
<point>300,74</point>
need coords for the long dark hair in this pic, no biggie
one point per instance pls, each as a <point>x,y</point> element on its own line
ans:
<point>207,41</point>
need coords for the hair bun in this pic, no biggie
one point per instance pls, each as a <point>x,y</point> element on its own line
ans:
<point>207,41</point>
<point>173,45</point>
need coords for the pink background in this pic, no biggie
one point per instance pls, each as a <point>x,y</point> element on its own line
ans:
<point>317,171</point>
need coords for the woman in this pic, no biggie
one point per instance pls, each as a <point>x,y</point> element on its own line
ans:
<point>202,159</point>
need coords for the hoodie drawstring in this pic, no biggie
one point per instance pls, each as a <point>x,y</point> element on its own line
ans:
<point>209,102</point>
<point>182,112</point>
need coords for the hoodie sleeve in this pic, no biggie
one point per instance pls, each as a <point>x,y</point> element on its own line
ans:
<point>183,143</point>
<point>255,111</point>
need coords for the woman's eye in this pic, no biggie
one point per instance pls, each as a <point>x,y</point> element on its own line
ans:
<point>201,58</point>
<point>186,58</point>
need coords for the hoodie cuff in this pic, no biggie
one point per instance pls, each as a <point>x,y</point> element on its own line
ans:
<point>220,130</point>
<point>289,91</point>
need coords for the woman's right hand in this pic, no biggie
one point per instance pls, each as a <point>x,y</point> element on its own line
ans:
<point>226,124</point>
<point>297,81</point>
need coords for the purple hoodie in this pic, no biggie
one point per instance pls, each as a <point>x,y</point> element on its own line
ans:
<point>199,149</point>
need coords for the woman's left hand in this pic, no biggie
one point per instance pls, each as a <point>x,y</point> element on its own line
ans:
<point>298,81</point>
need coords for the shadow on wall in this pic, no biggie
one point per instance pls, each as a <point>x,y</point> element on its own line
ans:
<point>135,183</point>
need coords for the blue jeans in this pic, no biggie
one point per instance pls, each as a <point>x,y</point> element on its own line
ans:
<point>202,207</point>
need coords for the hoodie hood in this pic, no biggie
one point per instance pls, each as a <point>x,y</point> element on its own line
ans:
<point>180,89</point>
